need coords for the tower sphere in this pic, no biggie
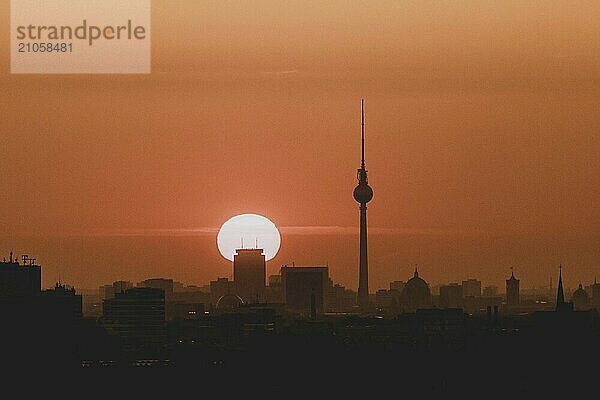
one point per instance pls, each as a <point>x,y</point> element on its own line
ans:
<point>363,193</point>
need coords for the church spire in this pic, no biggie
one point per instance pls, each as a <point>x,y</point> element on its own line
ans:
<point>560,296</point>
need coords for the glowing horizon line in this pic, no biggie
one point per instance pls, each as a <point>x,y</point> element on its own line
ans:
<point>305,230</point>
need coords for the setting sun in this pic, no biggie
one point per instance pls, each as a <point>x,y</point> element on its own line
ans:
<point>248,231</point>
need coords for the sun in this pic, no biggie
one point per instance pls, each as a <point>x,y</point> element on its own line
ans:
<point>248,231</point>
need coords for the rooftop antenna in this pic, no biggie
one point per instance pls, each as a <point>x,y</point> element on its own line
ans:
<point>11,256</point>
<point>242,240</point>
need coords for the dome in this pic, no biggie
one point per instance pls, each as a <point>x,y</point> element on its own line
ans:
<point>416,293</point>
<point>580,298</point>
<point>580,294</point>
<point>229,302</point>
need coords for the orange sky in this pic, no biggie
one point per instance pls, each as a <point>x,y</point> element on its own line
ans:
<point>483,141</point>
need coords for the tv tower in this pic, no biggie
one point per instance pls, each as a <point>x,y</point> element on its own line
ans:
<point>363,194</point>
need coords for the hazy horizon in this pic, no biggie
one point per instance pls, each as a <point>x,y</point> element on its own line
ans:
<point>482,131</point>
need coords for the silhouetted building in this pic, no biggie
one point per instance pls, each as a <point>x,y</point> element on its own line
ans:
<point>595,290</point>
<point>340,298</point>
<point>397,285</point>
<point>490,291</point>
<point>121,286</point>
<point>363,194</point>
<point>471,288</point>
<point>274,291</point>
<point>166,285</point>
<point>20,279</point>
<point>181,310</point>
<point>137,316</point>
<point>581,300</point>
<point>220,288</point>
<point>416,294</point>
<point>512,291</point>
<point>303,285</point>
<point>451,296</point>
<point>228,302</point>
<point>249,274</point>
<point>275,281</point>
<point>65,299</point>
<point>108,291</point>
<point>561,305</point>
<point>384,299</point>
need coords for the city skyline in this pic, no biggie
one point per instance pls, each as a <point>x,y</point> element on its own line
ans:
<point>482,143</point>
<point>321,198</point>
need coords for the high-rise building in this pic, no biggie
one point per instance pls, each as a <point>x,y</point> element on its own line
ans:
<point>249,274</point>
<point>20,279</point>
<point>137,316</point>
<point>304,288</point>
<point>512,291</point>
<point>363,194</point>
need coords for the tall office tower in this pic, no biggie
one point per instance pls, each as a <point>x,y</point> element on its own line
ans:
<point>512,291</point>
<point>249,272</point>
<point>305,288</point>
<point>363,194</point>
<point>20,279</point>
<point>137,316</point>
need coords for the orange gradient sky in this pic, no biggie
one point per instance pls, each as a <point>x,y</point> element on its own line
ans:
<point>483,142</point>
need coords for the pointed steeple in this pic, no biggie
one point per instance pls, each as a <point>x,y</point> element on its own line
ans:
<point>560,296</point>
<point>416,272</point>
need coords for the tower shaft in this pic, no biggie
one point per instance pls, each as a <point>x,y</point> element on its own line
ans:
<point>363,274</point>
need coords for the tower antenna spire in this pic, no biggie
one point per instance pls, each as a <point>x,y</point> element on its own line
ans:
<point>362,113</point>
